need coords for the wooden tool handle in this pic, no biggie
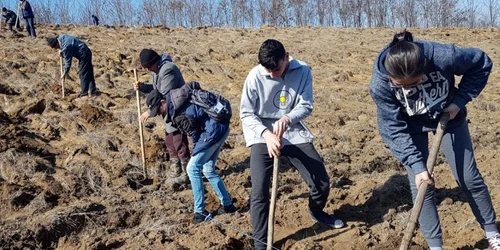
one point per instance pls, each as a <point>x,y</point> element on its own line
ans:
<point>431,160</point>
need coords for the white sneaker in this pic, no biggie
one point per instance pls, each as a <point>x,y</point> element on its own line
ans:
<point>494,242</point>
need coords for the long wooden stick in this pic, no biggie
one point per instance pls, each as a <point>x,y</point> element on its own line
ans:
<point>17,18</point>
<point>431,160</point>
<point>144,169</point>
<point>62,73</point>
<point>272,205</point>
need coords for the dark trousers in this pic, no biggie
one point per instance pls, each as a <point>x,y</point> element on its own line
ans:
<point>177,145</point>
<point>30,26</point>
<point>306,159</point>
<point>86,73</point>
<point>11,27</point>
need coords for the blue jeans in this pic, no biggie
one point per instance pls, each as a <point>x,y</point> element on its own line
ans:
<point>205,161</point>
<point>30,26</point>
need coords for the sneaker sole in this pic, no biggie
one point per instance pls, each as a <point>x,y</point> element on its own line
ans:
<point>330,225</point>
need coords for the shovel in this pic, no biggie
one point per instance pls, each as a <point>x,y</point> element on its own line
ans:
<point>431,160</point>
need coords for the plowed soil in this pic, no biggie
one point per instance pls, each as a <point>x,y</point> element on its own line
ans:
<point>71,172</point>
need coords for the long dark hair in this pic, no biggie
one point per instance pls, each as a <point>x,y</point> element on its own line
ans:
<point>405,58</point>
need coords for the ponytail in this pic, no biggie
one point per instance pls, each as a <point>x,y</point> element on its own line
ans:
<point>400,37</point>
<point>405,58</point>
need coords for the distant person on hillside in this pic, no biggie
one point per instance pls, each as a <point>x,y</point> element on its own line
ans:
<point>277,97</point>
<point>166,76</point>
<point>28,16</point>
<point>413,83</point>
<point>70,47</point>
<point>10,18</point>
<point>208,136</point>
<point>95,20</point>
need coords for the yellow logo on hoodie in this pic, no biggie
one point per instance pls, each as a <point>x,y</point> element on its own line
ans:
<point>282,99</point>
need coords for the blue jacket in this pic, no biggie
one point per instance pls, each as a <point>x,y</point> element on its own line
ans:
<point>27,10</point>
<point>401,112</point>
<point>72,47</point>
<point>203,130</point>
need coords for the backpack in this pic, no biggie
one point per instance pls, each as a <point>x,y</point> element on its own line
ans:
<point>216,106</point>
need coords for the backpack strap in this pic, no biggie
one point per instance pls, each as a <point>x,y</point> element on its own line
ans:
<point>194,85</point>
<point>180,97</point>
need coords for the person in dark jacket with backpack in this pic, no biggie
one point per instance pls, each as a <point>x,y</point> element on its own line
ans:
<point>166,76</point>
<point>70,47</point>
<point>28,16</point>
<point>413,83</point>
<point>10,19</point>
<point>208,136</point>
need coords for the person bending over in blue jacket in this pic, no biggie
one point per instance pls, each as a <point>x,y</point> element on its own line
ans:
<point>207,135</point>
<point>277,96</point>
<point>11,19</point>
<point>95,20</point>
<point>70,47</point>
<point>412,84</point>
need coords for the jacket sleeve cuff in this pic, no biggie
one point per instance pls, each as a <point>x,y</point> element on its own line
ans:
<point>459,101</point>
<point>418,167</point>
<point>145,87</point>
<point>292,118</point>
<point>260,130</point>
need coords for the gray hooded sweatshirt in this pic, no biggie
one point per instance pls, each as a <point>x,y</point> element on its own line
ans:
<point>265,100</point>
<point>401,112</point>
<point>168,77</point>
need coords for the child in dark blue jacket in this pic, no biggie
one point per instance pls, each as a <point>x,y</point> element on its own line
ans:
<point>412,84</point>
<point>207,135</point>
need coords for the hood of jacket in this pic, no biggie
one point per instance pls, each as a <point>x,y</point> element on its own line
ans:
<point>423,102</point>
<point>164,58</point>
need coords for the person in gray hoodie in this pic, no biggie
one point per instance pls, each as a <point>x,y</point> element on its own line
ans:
<point>70,47</point>
<point>277,96</point>
<point>413,82</point>
<point>166,76</point>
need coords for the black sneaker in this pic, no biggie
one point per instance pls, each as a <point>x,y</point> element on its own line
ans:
<point>230,209</point>
<point>204,216</point>
<point>327,219</point>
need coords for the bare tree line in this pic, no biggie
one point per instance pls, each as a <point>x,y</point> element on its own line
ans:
<point>281,13</point>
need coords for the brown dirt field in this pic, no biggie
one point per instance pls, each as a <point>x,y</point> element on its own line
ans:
<point>69,169</point>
